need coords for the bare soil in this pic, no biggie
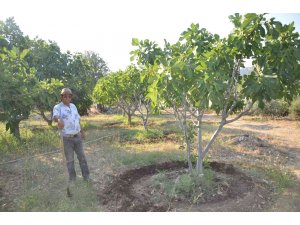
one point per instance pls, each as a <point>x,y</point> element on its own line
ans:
<point>127,192</point>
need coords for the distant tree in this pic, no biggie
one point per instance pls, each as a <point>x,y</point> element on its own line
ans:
<point>116,90</point>
<point>139,92</point>
<point>99,69</point>
<point>126,90</point>
<point>98,66</point>
<point>12,33</point>
<point>17,86</point>
<point>50,65</point>
<point>17,79</point>
<point>80,79</point>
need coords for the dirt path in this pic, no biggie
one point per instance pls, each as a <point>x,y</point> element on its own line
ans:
<point>286,135</point>
<point>283,133</point>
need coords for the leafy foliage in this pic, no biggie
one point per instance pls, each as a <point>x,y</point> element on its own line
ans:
<point>34,71</point>
<point>125,89</point>
<point>16,91</point>
<point>274,108</point>
<point>295,108</point>
<point>202,72</point>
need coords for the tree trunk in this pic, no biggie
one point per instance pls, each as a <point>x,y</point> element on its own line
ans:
<point>101,108</point>
<point>199,165</point>
<point>14,128</point>
<point>213,138</point>
<point>188,146</point>
<point>129,119</point>
<point>145,124</point>
<point>49,121</point>
<point>145,119</point>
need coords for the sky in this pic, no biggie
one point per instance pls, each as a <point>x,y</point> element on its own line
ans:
<point>108,26</point>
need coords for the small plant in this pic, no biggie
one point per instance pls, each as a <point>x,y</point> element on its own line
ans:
<point>274,108</point>
<point>185,185</point>
<point>190,186</point>
<point>282,178</point>
<point>295,109</point>
<point>9,144</point>
<point>149,134</point>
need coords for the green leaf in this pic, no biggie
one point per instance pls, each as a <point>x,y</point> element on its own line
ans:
<point>236,19</point>
<point>275,34</point>
<point>248,19</point>
<point>135,42</point>
<point>297,53</point>
<point>262,31</point>
<point>24,53</point>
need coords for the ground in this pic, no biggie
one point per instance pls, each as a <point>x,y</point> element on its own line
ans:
<point>130,188</point>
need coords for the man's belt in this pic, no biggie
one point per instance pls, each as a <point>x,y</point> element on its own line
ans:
<point>70,135</point>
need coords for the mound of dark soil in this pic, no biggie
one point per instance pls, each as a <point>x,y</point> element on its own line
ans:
<point>122,195</point>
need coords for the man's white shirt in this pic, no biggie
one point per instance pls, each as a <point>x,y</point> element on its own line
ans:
<point>70,116</point>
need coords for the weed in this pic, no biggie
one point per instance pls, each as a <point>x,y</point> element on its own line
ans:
<point>282,177</point>
<point>185,185</point>
<point>85,125</point>
<point>149,134</point>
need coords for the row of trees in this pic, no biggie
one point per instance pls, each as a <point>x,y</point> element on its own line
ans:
<point>32,72</point>
<point>201,72</point>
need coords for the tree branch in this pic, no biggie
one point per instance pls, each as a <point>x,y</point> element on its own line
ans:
<point>245,112</point>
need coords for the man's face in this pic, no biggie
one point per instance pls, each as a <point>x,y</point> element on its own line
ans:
<point>66,98</point>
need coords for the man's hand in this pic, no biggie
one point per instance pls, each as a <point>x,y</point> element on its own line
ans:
<point>82,134</point>
<point>60,123</point>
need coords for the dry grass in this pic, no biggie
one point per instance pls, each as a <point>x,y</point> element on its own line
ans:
<point>43,179</point>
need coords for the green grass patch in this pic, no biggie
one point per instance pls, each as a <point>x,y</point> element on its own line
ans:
<point>86,125</point>
<point>149,134</point>
<point>84,199</point>
<point>33,140</point>
<point>147,158</point>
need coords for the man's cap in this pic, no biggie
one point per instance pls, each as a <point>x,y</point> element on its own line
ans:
<point>66,91</point>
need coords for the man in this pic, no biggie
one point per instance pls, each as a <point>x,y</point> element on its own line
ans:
<point>66,115</point>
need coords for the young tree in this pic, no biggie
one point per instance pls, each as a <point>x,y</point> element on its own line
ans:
<point>202,71</point>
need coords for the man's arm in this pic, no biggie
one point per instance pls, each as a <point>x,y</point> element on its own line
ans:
<point>60,122</point>
<point>56,118</point>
